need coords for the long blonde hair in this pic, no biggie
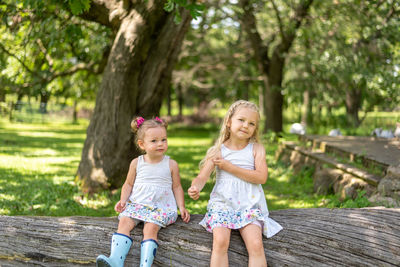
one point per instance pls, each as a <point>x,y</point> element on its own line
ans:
<point>224,133</point>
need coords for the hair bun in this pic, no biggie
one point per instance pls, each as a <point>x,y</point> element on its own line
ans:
<point>135,125</point>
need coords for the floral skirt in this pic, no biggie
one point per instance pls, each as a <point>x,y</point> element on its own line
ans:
<point>238,219</point>
<point>229,218</point>
<point>150,214</point>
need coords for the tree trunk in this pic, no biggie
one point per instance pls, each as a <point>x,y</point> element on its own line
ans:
<point>271,67</point>
<point>44,99</point>
<point>75,111</point>
<point>135,80</point>
<point>307,114</point>
<point>261,98</point>
<point>180,100</point>
<point>169,100</point>
<point>353,105</point>
<point>310,237</point>
<point>2,95</point>
<point>273,96</point>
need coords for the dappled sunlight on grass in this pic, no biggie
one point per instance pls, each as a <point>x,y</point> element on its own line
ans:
<point>38,164</point>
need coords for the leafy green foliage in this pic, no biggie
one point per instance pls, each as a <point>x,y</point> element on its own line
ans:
<point>46,51</point>
<point>79,6</point>
<point>194,9</point>
<point>344,55</point>
<point>360,201</point>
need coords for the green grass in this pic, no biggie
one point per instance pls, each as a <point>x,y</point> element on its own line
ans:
<point>38,163</point>
<point>37,168</point>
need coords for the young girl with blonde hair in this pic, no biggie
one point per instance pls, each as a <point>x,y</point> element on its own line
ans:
<point>150,194</point>
<point>237,200</point>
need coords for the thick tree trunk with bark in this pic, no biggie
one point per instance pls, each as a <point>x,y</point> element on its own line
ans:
<point>310,237</point>
<point>137,76</point>
<point>272,67</point>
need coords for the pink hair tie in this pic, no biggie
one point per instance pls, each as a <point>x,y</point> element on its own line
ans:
<point>158,119</point>
<point>139,121</point>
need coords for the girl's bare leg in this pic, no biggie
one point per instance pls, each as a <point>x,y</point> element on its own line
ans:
<point>252,237</point>
<point>150,231</point>
<point>219,255</point>
<point>125,226</point>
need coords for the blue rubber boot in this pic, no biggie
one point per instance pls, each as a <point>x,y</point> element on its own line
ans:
<point>148,251</point>
<point>120,246</point>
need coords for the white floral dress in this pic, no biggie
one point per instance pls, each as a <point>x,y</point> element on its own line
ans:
<point>235,203</point>
<point>152,199</point>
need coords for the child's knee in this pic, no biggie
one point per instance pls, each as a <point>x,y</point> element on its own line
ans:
<point>126,223</point>
<point>255,246</point>
<point>220,242</point>
<point>150,230</point>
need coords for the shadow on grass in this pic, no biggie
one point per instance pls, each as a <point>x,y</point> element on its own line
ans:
<point>22,144</point>
<point>50,189</point>
<point>38,194</point>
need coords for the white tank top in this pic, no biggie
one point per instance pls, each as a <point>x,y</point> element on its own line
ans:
<point>243,158</point>
<point>153,173</point>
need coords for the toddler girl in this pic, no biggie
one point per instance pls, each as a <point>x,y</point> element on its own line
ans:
<point>150,194</point>
<point>237,200</point>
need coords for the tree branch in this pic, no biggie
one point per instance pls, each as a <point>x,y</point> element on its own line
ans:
<point>300,13</point>
<point>108,12</point>
<point>73,70</point>
<point>249,22</point>
<point>17,58</point>
<point>46,54</point>
<point>279,20</point>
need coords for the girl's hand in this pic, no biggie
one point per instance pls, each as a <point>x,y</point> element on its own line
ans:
<point>194,192</point>
<point>185,215</point>
<point>120,206</point>
<point>220,163</point>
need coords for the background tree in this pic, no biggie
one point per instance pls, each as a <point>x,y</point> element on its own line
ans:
<point>138,73</point>
<point>215,66</point>
<point>345,58</point>
<point>42,44</point>
<point>270,49</point>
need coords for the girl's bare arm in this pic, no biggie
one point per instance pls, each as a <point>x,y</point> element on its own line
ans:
<point>178,190</point>
<point>201,179</point>
<point>257,176</point>
<point>130,180</point>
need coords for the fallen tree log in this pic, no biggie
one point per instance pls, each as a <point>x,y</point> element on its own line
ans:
<point>311,237</point>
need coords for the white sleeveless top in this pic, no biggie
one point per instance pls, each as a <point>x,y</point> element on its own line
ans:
<point>234,203</point>
<point>152,198</point>
<point>158,174</point>
<point>243,158</point>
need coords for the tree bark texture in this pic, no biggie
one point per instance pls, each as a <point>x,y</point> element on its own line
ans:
<point>310,237</point>
<point>271,66</point>
<point>137,76</point>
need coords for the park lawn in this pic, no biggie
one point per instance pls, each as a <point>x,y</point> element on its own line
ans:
<point>38,163</point>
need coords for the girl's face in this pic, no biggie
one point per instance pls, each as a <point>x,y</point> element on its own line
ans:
<point>154,141</point>
<point>243,123</point>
